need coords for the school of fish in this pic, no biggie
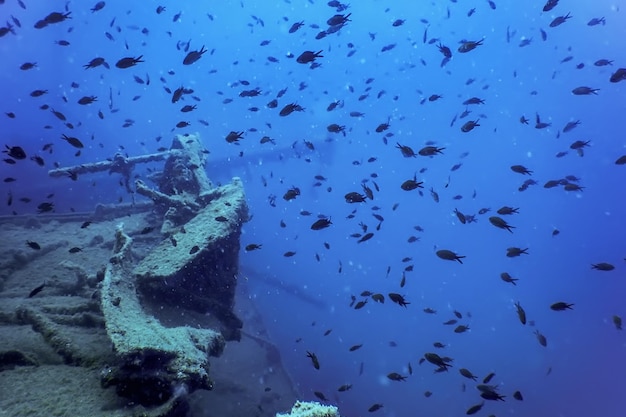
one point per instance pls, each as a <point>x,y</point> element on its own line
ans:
<point>357,204</point>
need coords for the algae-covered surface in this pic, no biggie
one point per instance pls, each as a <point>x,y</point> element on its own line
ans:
<point>54,347</point>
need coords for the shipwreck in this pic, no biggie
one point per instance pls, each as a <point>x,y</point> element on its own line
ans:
<point>163,301</point>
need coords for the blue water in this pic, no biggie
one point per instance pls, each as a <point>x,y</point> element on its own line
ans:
<point>581,370</point>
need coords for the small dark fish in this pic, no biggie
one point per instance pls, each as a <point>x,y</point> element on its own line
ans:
<point>45,207</point>
<point>296,26</point>
<point>87,100</point>
<point>461,328</point>
<point>73,141</point>
<point>603,266</point>
<point>15,152</point>
<point>375,407</point>
<point>521,313</point>
<point>193,250</point>
<point>320,395</point>
<point>128,62</point>
<point>33,245</point>
<point>308,56</point>
<point>193,56</point>
<point>541,338</point>
<point>596,21</point>
<point>475,408</point>
<point>146,230</point>
<point>469,126</point>
<point>98,6</point>
<point>585,91</point>
<point>366,237</point>
<point>617,322</point>
<point>559,20</point>
<point>36,291</point>
<point>468,46</point>
<point>38,160</point>
<point>394,376</point>
<point>321,224</point>
<point>28,65</point>
<point>75,249</point>
<point>38,93</point>
<point>561,306</point>
<point>550,4</point>
<point>316,363</point>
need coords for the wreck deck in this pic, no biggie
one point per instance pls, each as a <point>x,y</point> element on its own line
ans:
<point>58,335</point>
